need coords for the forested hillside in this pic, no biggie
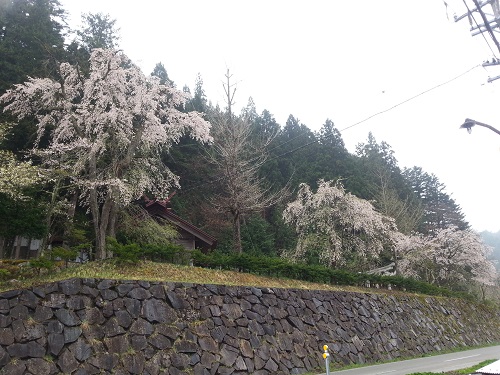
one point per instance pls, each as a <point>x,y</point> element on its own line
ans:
<point>86,135</point>
<point>493,240</point>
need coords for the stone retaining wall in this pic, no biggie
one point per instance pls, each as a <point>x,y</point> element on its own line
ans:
<point>89,326</point>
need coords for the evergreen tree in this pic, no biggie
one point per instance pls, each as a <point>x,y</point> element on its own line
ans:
<point>31,44</point>
<point>31,40</point>
<point>99,31</point>
<point>332,156</point>
<point>440,210</point>
<point>160,72</point>
<point>386,186</point>
<point>199,100</point>
<point>298,151</point>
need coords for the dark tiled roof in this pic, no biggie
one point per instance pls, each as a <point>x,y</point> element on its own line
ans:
<point>160,208</point>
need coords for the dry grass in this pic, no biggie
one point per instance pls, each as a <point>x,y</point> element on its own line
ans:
<point>166,272</point>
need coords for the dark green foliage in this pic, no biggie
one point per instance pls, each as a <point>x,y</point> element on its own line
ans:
<point>284,235</point>
<point>124,253</point>
<point>31,44</point>
<point>160,72</point>
<point>61,253</point>
<point>4,274</point>
<point>21,217</point>
<point>132,253</point>
<point>42,263</point>
<point>170,253</point>
<point>297,152</point>
<point>257,237</point>
<point>441,210</point>
<point>279,267</point>
<point>99,31</point>
<point>31,40</point>
<point>199,100</point>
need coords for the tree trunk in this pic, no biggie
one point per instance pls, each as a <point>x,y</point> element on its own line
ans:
<point>17,249</point>
<point>71,215</point>
<point>237,233</point>
<point>2,246</point>
<point>48,217</point>
<point>112,220</point>
<point>104,224</point>
<point>94,209</point>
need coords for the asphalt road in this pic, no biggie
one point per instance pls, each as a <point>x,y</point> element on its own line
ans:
<point>438,363</point>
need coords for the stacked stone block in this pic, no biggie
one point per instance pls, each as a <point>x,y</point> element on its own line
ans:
<point>90,326</point>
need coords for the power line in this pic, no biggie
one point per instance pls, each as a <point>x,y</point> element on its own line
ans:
<point>487,24</point>
<point>471,14</point>
<point>216,179</point>
<point>387,109</point>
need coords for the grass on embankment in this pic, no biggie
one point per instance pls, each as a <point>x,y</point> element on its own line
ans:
<point>167,272</point>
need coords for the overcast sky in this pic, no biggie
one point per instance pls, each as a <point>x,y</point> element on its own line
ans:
<point>343,60</point>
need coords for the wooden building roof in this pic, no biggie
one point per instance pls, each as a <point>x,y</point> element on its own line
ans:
<point>157,208</point>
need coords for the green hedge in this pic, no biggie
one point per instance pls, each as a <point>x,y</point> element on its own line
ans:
<point>278,267</point>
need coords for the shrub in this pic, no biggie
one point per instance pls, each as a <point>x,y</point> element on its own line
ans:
<point>132,252</point>
<point>279,267</point>
<point>61,253</point>
<point>171,253</point>
<point>128,253</point>
<point>4,274</point>
<point>41,263</point>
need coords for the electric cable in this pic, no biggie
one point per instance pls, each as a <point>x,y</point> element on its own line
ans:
<point>216,179</point>
<point>477,25</point>
<point>390,108</point>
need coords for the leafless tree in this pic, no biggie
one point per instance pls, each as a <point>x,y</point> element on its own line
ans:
<point>406,213</point>
<point>238,155</point>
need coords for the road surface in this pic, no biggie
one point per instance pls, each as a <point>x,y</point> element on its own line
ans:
<point>438,363</point>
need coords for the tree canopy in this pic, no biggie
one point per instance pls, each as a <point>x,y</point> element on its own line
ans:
<point>107,130</point>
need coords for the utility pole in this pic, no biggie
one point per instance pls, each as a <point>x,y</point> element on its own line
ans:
<point>489,23</point>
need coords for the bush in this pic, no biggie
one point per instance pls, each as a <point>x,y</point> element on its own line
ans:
<point>279,267</point>
<point>171,253</point>
<point>128,253</point>
<point>41,263</point>
<point>14,269</point>
<point>132,252</point>
<point>4,274</point>
<point>61,253</point>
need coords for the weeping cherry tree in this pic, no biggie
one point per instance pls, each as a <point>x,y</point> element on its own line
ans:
<point>339,225</point>
<point>450,257</point>
<point>106,129</point>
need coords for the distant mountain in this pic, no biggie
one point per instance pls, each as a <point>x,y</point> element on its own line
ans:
<point>493,240</point>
